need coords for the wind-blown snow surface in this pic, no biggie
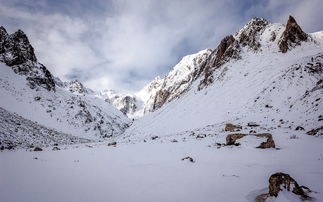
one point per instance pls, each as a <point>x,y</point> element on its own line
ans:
<point>153,170</point>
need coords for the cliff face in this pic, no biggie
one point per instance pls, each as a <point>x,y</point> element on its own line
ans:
<point>17,52</point>
<point>292,36</point>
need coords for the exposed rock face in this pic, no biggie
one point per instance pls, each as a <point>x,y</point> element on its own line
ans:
<point>179,80</point>
<point>15,48</point>
<point>77,87</point>
<point>127,104</point>
<point>16,51</point>
<point>230,48</point>
<point>249,35</point>
<point>231,139</point>
<point>292,36</point>
<point>229,127</point>
<point>227,49</point>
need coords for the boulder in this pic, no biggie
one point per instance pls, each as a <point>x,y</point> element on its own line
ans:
<point>112,144</point>
<point>229,127</point>
<point>282,181</point>
<point>231,138</point>
<point>38,149</point>
<point>316,131</point>
<point>188,158</point>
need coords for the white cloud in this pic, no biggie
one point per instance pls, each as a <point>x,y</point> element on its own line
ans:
<point>133,41</point>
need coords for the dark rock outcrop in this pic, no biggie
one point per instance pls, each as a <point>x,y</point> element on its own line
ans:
<point>292,36</point>
<point>249,35</point>
<point>17,52</point>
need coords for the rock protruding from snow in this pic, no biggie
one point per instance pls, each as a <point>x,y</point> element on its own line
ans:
<point>17,52</point>
<point>292,36</point>
<point>269,143</point>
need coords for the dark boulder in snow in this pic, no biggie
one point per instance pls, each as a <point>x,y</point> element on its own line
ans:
<point>38,149</point>
<point>292,36</point>
<point>316,131</point>
<point>190,159</point>
<point>112,144</point>
<point>282,181</point>
<point>229,127</point>
<point>269,143</point>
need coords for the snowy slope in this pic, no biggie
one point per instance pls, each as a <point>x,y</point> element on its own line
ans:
<point>29,90</point>
<point>262,85</point>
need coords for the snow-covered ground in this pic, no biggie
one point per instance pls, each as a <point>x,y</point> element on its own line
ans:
<point>135,170</point>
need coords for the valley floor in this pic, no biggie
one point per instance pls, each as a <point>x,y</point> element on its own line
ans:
<point>153,170</point>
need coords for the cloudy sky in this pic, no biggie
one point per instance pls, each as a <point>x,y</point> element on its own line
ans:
<point>123,44</point>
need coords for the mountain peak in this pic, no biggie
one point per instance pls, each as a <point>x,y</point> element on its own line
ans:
<point>249,34</point>
<point>292,36</point>
<point>17,52</point>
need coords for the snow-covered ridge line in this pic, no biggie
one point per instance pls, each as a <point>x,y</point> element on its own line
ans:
<point>29,90</point>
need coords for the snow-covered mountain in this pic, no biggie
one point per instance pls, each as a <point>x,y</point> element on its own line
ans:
<point>28,90</point>
<point>223,125</point>
<point>161,90</point>
<point>266,72</point>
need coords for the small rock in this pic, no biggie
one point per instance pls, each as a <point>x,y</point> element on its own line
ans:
<point>188,158</point>
<point>253,124</point>
<point>200,136</point>
<point>154,137</point>
<point>112,144</point>
<point>299,128</point>
<point>174,140</point>
<point>56,148</point>
<point>38,149</point>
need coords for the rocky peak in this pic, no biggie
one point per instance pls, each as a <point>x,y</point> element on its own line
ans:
<point>17,52</point>
<point>250,33</point>
<point>76,86</point>
<point>16,48</point>
<point>292,36</point>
